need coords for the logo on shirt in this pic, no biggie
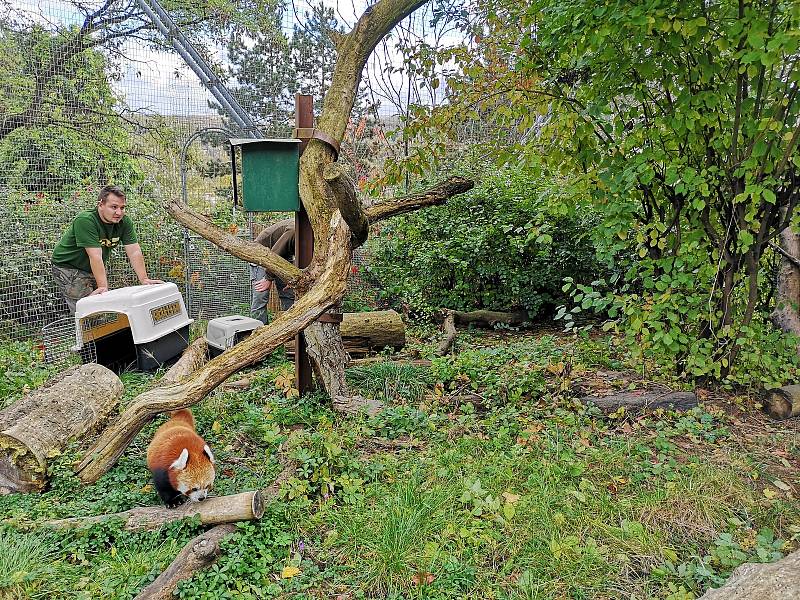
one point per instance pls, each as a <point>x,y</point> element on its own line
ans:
<point>112,243</point>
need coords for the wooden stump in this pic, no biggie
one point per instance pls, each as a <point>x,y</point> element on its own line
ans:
<point>41,424</point>
<point>783,402</point>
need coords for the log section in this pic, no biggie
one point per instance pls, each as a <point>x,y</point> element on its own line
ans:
<point>41,424</point>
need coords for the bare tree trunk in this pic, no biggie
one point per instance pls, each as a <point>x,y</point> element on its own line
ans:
<point>787,294</point>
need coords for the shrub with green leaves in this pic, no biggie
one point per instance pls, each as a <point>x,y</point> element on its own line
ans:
<point>508,243</point>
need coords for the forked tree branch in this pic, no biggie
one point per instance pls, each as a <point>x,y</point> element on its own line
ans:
<point>238,247</point>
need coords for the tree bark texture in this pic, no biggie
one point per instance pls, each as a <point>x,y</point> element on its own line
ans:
<point>247,506</point>
<point>200,553</point>
<point>787,292</point>
<point>783,402</point>
<point>450,335</point>
<point>363,332</point>
<point>774,581</point>
<point>42,423</point>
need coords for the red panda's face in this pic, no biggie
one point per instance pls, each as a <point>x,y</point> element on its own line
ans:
<point>194,474</point>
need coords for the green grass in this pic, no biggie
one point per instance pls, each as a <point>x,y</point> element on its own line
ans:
<point>523,494</point>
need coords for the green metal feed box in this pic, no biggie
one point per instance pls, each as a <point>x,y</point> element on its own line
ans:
<point>270,174</point>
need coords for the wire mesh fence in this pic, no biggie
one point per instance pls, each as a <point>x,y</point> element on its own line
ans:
<point>125,92</point>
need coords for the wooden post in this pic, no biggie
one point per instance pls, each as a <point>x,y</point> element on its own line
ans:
<point>304,246</point>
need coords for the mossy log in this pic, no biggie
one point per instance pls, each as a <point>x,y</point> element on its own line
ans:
<point>41,424</point>
<point>783,402</point>
<point>247,506</point>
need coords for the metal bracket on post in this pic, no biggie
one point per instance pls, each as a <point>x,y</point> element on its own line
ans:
<point>312,133</point>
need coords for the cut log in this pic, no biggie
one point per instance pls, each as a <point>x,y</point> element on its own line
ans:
<point>783,402</point>
<point>375,330</point>
<point>366,332</point>
<point>194,357</point>
<point>644,400</point>
<point>247,506</point>
<point>774,581</point>
<point>200,553</point>
<point>40,425</point>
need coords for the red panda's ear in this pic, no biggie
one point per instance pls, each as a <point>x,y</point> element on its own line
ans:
<point>207,450</point>
<point>181,461</point>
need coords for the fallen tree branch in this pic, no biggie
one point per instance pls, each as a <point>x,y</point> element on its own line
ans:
<point>200,553</point>
<point>490,318</point>
<point>247,506</point>
<point>40,424</point>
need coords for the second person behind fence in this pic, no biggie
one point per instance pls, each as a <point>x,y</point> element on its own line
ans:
<point>280,239</point>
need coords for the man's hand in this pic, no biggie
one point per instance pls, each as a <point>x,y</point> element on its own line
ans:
<point>100,290</point>
<point>262,285</point>
<point>150,281</point>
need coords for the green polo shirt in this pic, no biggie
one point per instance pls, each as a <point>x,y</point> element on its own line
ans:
<point>88,231</point>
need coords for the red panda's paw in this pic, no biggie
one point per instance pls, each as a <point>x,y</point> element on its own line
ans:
<point>180,501</point>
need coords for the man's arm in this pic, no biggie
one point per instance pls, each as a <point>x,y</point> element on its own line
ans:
<point>98,269</point>
<point>134,252</point>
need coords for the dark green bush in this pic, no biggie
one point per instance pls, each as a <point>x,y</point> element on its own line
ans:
<point>507,244</point>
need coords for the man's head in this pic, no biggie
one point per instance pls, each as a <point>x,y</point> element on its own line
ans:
<point>111,204</point>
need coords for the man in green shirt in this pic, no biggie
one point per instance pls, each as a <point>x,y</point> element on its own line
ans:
<point>79,258</point>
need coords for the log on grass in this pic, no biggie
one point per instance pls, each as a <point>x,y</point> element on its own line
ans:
<point>247,506</point>
<point>364,332</point>
<point>783,402</point>
<point>644,400</point>
<point>200,553</point>
<point>41,424</point>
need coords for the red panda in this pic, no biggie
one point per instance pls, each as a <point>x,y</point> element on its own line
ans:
<point>180,460</point>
